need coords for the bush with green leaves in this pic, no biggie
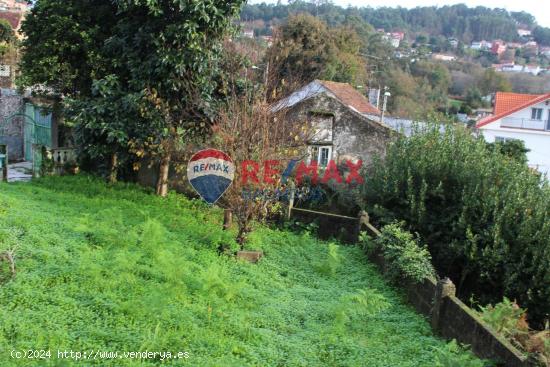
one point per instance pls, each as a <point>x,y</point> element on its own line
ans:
<point>483,215</point>
<point>404,255</point>
<point>505,318</point>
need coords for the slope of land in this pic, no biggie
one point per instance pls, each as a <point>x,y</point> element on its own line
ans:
<point>104,268</point>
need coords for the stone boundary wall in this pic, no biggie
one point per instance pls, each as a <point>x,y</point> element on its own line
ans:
<point>11,133</point>
<point>450,318</point>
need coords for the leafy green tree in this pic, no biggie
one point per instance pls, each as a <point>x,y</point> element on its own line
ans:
<point>162,56</point>
<point>63,48</point>
<point>542,35</point>
<point>306,49</point>
<point>491,82</point>
<point>169,51</point>
<point>300,53</point>
<point>524,18</point>
<point>6,31</point>
<point>108,121</point>
<point>474,98</point>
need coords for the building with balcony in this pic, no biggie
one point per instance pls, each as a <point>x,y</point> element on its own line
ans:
<point>523,117</point>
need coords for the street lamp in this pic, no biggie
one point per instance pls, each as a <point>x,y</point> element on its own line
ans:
<point>386,95</point>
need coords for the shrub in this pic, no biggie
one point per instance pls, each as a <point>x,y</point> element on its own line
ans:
<point>484,216</point>
<point>506,318</point>
<point>405,256</point>
<point>509,320</point>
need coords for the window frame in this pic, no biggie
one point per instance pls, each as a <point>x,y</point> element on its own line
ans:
<point>536,114</point>
<point>316,154</point>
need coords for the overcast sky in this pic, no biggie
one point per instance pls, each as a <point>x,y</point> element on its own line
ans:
<point>539,8</point>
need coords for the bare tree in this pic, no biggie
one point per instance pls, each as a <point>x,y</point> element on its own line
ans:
<point>261,142</point>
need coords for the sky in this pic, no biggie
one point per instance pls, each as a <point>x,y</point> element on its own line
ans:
<point>539,8</point>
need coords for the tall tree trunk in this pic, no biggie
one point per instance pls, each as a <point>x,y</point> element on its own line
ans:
<point>114,168</point>
<point>162,183</point>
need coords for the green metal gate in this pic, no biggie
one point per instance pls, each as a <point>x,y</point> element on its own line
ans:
<point>38,129</point>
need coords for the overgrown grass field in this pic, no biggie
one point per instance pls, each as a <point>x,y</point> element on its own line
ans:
<point>119,269</point>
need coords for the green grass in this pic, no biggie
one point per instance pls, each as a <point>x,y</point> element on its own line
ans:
<point>118,269</point>
<point>455,102</point>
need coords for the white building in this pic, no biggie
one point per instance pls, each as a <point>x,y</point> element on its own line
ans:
<point>524,117</point>
<point>515,68</point>
<point>524,32</point>
<point>481,45</point>
<point>443,57</point>
<point>248,33</point>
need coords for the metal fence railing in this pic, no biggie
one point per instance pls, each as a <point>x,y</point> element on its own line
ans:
<point>521,123</point>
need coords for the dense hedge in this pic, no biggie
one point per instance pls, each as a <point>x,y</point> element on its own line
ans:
<point>483,215</point>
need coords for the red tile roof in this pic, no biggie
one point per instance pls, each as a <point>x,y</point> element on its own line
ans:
<point>508,103</point>
<point>351,97</point>
<point>13,18</point>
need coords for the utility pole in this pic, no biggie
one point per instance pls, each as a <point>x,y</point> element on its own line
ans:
<point>386,95</point>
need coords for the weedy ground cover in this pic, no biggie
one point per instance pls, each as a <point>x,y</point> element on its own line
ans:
<point>115,268</point>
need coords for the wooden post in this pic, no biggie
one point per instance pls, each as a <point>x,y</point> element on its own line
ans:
<point>360,222</point>
<point>290,201</point>
<point>445,288</point>
<point>227,219</point>
<point>114,168</point>
<point>5,164</point>
<point>364,219</point>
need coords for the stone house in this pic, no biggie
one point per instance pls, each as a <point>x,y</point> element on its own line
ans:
<point>345,125</point>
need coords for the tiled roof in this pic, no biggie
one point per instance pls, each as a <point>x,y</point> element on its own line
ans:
<point>12,17</point>
<point>508,103</point>
<point>350,96</point>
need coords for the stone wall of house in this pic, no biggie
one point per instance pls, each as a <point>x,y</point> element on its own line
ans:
<point>353,134</point>
<point>12,130</point>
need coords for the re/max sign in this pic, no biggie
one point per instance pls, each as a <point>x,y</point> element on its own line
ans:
<point>271,170</point>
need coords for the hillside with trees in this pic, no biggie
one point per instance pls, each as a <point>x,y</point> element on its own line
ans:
<point>458,21</point>
<point>321,40</point>
<point>306,48</point>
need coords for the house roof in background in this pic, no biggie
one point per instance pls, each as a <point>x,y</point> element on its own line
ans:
<point>342,92</point>
<point>350,96</point>
<point>508,103</point>
<point>13,18</point>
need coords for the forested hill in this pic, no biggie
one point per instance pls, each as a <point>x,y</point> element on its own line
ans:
<point>458,21</point>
